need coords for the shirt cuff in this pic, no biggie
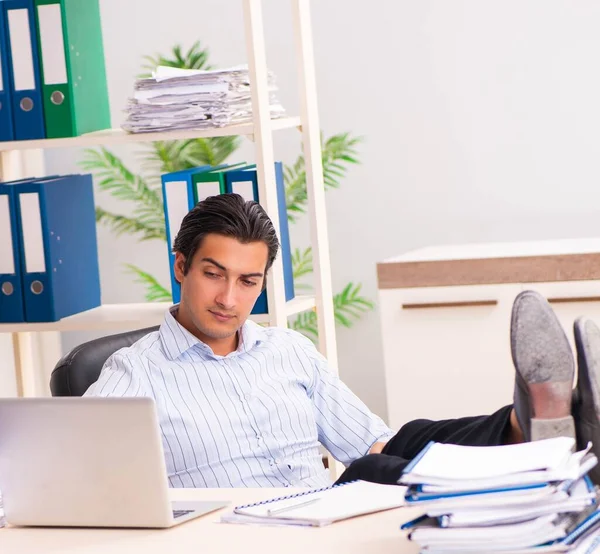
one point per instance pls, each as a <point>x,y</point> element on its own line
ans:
<point>383,438</point>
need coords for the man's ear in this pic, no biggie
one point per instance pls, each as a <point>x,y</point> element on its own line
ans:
<point>179,267</point>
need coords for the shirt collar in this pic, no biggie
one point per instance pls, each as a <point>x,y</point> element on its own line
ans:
<point>177,340</point>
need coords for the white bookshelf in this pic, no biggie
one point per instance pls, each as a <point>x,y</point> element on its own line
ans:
<point>37,345</point>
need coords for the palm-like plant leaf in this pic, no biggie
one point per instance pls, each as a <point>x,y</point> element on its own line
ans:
<point>306,323</point>
<point>337,152</point>
<point>195,58</point>
<point>211,151</point>
<point>121,224</point>
<point>348,306</point>
<point>162,157</point>
<point>301,266</point>
<point>114,177</point>
<point>175,155</point>
<point>155,292</point>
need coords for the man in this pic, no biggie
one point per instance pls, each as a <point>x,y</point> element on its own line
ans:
<point>240,405</point>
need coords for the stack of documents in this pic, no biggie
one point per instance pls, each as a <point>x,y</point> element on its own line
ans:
<point>517,498</point>
<point>320,507</point>
<point>176,98</point>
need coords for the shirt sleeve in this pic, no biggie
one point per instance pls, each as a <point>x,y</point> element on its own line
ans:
<point>118,378</point>
<point>346,427</point>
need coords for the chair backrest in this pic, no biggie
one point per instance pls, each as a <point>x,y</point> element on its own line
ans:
<point>81,367</point>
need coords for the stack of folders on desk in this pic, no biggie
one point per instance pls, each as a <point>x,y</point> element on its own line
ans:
<point>319,507</point>
<point>176,98</point>
<point>182,190</point>
<point>48,250</point>
<point>52,75</point>
<point>531,497</point>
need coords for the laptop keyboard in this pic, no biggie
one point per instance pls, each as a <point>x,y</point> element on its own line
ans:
<point>179,513</point>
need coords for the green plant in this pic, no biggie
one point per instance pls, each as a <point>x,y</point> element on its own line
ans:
<point>337,151</point>
<point>348,306</point>
<point>143,191</point>
<point>195,58</point>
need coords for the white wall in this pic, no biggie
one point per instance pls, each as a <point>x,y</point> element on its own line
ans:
<point>480,121</point>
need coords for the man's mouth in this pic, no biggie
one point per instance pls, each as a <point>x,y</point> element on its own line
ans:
<point>219,316</point>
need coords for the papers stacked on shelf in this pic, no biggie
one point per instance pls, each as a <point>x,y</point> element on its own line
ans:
<point>194,99</point>
<point>531,497</point>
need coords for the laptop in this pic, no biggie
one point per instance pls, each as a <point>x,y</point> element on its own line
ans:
<point>87,462</point>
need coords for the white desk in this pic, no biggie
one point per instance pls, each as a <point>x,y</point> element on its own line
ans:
<point>378,533</point>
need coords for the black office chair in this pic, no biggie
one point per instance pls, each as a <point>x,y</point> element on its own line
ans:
<point>81,367</point>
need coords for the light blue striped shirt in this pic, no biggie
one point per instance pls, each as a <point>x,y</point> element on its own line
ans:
<point>253,418</point>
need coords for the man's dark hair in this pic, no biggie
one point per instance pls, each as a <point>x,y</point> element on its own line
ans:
<point>228,215</point>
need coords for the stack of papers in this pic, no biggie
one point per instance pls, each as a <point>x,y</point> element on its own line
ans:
<point>531,497</point>
<point>320,507</point>
<point>176,98</point>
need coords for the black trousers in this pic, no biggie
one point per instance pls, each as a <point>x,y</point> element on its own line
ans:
<point>413,437</point>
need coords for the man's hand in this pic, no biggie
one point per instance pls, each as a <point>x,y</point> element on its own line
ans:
<point>377,448</point>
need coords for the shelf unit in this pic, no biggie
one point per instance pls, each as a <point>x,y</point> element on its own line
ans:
<point>25,158</point>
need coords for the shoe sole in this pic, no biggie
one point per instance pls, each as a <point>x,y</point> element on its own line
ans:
<point>588,387</point>
<point>544,366</point>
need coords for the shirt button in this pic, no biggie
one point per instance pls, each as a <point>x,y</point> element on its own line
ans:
<point>247,396</point>
<point>277,461</point>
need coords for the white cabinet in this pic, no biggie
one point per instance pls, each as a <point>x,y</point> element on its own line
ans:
<point>446,343</point>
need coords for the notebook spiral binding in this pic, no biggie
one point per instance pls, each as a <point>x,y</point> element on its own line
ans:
<point>312,491</point>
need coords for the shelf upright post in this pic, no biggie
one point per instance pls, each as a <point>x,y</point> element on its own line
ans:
<point>315,190</point>
<point>263,140</point>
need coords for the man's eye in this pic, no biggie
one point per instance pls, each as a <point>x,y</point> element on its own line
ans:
<point>249,283</point>
<point>211,275</point>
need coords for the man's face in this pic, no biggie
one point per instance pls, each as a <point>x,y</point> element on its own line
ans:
<point>224,281</point>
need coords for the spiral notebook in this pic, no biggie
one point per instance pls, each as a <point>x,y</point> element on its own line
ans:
<point>318,507</point>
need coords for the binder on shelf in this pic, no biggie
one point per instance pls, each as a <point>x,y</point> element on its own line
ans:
<point>182,190</point>
<point>244,182</point>
<point>12,309</point>
<point>6,122</point>
<point>23,70</point>
<point>75,94</point>
<point>178,200</point>
<point>212,182</point>
<point>57,240</point>
<point>11,290</point>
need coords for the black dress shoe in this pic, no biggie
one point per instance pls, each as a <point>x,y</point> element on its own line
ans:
<point>544,369</point>
<point>586,401</point>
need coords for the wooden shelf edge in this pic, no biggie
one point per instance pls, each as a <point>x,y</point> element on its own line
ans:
<point>118,136</point>
<point>123,317</point>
